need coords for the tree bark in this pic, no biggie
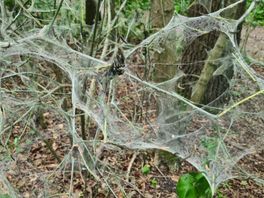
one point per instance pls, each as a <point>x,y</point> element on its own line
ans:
<point>209,68</point>
<point>196,57</point>
<point>160,14</point>
<point>90,11</point>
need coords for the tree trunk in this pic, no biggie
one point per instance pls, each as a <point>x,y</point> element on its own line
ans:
<point>164,63</point>
<point>160,14</point>
<point>90,11</point>
<point>197,52</point>
<point>91,8</point>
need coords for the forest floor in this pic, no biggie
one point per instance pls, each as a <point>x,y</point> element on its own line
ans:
<point>25,173</point>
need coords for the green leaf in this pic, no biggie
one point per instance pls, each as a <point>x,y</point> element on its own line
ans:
<point>145,169</point>
<point>185,187</point>
<point>202,185</point>
<point>16,141</point>
<point>193,185</point>
<point>153,183</point>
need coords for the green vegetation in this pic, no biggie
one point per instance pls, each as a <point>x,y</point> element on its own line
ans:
<point>4,196</point>
<point>182,6</point>
<point>256,18</point>
<point>137,5</point>
<point>210,144</point>
<point>193,185</point>
<point>154,183</point>
<point>145,169</point>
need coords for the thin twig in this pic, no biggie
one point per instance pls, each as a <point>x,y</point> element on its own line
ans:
<point>241,102</point>
<point>130,165</point>
<point>243,17</point>
<point>55,16</point>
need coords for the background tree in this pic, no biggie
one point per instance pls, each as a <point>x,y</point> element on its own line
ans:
<point>195,54</point>
<point>201,48</point>
<point>161,13</point>
<point>90,11</point>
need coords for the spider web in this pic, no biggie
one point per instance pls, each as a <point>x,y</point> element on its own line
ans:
<point>147,115</point>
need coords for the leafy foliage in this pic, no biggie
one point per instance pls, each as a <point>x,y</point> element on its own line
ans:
<point>153,183</point>
<point>145,169</point>
<point>193,185</point>
<point>210,144</point>
<point>257,16</point>
<point>133,5</point>
<point>182,6</point>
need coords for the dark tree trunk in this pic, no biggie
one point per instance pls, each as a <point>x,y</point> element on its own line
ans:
<point>196,53</point>
<point>90,11</point>
<point>91,8</point>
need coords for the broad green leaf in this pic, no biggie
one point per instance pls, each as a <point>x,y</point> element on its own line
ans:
<point>193,185</point>
<point>185,186</point>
